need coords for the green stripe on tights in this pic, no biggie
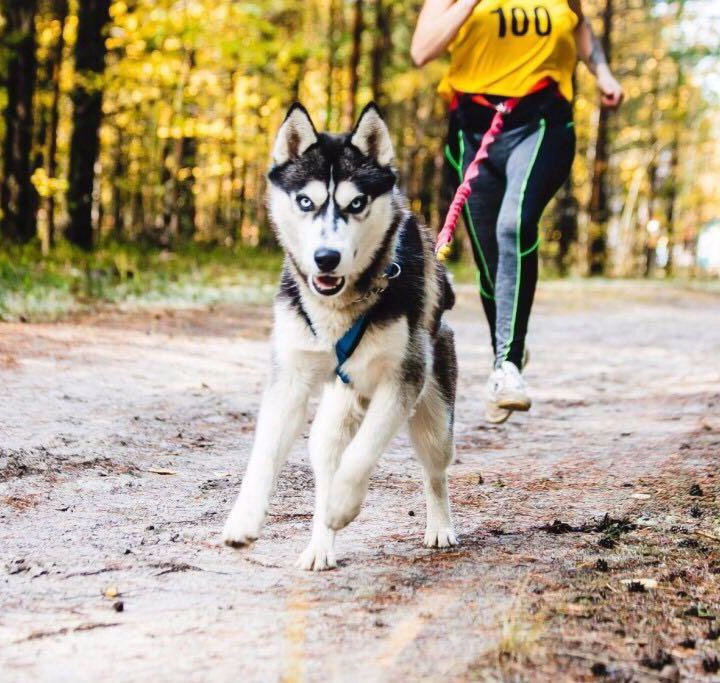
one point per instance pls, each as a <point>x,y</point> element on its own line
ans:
<point>523,187</point>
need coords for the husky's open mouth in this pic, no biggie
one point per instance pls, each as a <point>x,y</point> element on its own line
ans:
<point>327,285</point>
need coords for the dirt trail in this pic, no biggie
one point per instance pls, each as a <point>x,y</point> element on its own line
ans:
<point>626,380</point>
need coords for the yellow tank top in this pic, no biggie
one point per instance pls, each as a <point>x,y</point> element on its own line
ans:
<point>506,46</point>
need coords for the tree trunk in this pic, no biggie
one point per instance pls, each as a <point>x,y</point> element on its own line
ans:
<point>357,31</point>
<point>655,118</point>
<point>673,179</point>
<point>566,224</point>
<point>239,219</point>
<point>332,18</point>
<point>137,212</point>
<point>61,13</point>
<point>179,211</point>
<point>179,214</point>
<point>186,196</point>
<point>87,94</point>
<point>43,85</point>
<point>381,49</point>
<point>598,209</point>
<point>18,198</point>
<point>118,177</point>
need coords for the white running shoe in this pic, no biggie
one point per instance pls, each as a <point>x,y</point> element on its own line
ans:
<point>506,391</point>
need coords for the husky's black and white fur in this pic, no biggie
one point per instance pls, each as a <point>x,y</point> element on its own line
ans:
<point>352,249</point>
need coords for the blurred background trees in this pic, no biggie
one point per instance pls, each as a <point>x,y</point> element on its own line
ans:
<point>150,121</point>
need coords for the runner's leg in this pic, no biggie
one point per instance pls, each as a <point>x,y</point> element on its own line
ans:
<point>536,168</point>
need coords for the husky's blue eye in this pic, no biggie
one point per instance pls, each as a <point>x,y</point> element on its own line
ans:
<point>357,204</point>
<point>304,202</point>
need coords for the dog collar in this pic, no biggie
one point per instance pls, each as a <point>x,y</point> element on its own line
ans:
<point>391,272</point>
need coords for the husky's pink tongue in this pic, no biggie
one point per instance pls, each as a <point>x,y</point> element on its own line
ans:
<point>327,281</point>
<point>327,284</point>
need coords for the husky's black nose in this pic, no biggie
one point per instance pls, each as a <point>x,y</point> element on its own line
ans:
<point>327,259</point>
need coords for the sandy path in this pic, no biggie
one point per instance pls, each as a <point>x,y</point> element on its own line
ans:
<point>626,379</point>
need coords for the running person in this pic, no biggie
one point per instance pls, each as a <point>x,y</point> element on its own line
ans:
<point>501,49</point>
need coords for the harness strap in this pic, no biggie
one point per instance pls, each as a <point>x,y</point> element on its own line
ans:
<point>346,345</point>
<point>445,236</point>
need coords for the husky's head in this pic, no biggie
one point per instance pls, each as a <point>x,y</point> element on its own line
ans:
<point>330,197</point>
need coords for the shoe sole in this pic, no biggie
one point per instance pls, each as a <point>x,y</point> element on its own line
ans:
<point>514,402</point>
<point>495,415</point>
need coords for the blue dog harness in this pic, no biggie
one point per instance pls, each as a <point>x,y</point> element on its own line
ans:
<point>346,345</point>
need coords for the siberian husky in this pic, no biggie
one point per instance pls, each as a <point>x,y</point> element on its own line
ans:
<point>359,317</point>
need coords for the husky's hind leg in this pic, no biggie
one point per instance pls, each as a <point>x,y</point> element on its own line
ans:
<point>431,432</point>
<point>282,415</point>
<point>335,424</point>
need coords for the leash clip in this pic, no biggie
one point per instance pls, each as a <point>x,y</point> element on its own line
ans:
<point>501,108</point>
<point>393,271</point>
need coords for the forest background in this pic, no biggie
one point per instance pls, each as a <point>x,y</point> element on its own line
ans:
<point>136,138</point>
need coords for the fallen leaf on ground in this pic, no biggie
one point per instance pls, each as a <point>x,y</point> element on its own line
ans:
<point>161,470</point>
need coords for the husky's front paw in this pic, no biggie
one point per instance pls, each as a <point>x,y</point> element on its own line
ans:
<point>317,557</point>
<point>243,525</point>
<point>346,497</point>
<point>437,536</point>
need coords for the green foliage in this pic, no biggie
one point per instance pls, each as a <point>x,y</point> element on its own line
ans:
<point>193,92</point>
<point>36,288</point>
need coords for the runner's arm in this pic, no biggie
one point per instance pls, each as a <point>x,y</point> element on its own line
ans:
<point>591,53</point>
<point>437,25</point>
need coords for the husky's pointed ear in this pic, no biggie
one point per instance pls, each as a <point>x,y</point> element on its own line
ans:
<point>372,137</point>
<point>296,134</point>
